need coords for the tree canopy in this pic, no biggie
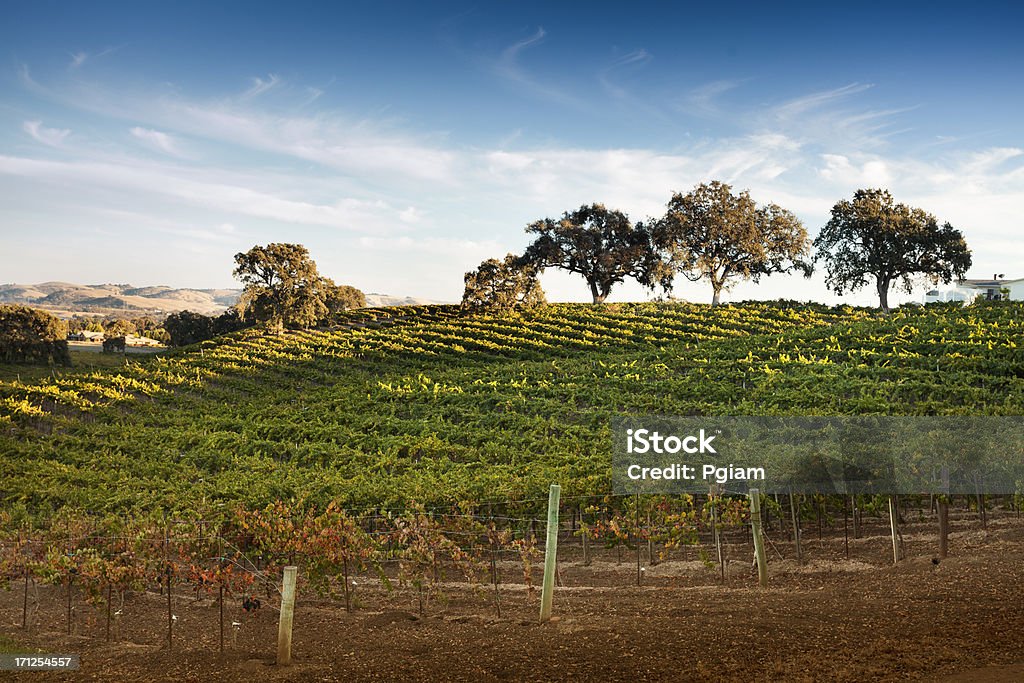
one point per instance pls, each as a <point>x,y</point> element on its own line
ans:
<point>119,327</point>
<point>339,298</point>
<point>600,244</point>
<point>873,237</point>
<point>502,285</point>
<point>31,335</point>
<point>714,234</point>
<point>284,289</point>
<point>188,327</point>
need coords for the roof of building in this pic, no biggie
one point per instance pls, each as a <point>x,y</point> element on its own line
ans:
<point>988,283</point>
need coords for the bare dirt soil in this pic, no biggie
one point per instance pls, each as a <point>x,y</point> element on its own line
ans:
<point>831,618</point>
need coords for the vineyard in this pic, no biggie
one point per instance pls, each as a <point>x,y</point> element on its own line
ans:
<point>424,405</point>
<point>402,461</point>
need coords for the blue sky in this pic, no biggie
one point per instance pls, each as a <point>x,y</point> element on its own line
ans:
<point>403,143</point>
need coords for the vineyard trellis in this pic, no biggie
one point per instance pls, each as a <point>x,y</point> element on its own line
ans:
<point>437,407</point>
<point>240,556</point>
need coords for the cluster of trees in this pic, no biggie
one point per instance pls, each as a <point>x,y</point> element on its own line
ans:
<point>283,289</point>
<point>28,335</point>
<point>187,327</point>
<point>503,285</point>
<point>713,234</point>
<point>710,233</point>
<point>112,327</point>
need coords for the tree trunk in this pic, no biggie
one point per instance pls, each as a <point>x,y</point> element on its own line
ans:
<point>716,299</point>
<point>883,295</point>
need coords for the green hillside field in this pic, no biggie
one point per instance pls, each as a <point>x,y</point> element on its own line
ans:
<point>425,404</point>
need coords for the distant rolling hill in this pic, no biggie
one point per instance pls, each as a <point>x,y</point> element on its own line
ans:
<point>379,300</point>
<point>67,298</point>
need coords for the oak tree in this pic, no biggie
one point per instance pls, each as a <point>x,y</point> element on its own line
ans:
<point>339,298</point>
<point>600,244</point>
<point>714,234</point>
<point>282,285</point>
<point>502,285</point>
<point>871,237</point>
<point>118,327</point>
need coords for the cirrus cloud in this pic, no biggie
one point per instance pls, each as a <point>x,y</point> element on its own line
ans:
<point>54,137</point>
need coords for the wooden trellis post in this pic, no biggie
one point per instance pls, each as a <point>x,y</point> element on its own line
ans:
<point>550,550</point>
<point>892,525</point>
<point>284,627</point>
<point>755,525</point>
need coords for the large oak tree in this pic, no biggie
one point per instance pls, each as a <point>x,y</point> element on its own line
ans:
<point>600,244</point>
<point>872,237</point>
<point>283,287</point>
<point>711,233</point>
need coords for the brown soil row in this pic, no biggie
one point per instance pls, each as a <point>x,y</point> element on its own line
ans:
<point>828,619</point>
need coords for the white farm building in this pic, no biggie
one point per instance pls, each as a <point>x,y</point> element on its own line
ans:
<point>970,290</point>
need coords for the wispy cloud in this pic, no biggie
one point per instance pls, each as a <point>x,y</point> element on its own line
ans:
<point>508,67</point>
<point>32,85</point>
<point>54,137</point>
<point>221,234</point>
<point>160,141</point>
<point>314,95</point>
<point>640,56</point>
<point>611,79</point>
<point>637,180</point>
<point>703,100</point>
<point>987,161</point>
<point>141,179</point>
<point>432,245</point>
<point>359,147</point>
<point>79,58</point>
<point>837,119</point>
<point>833,118</point>
<point>260,86</point>
<point>799,105</point>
